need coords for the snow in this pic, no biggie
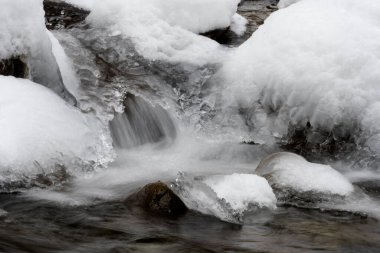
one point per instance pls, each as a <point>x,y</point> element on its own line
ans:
<point>238,24</point>
<point>286,3</point>
<point>38,127</point>
<point>315,61</point>
<point>23,32</point>
<point>288,170</point>
<point>165,30</point>
<point>85,4</point>
<point>18,35</point>
<point>243,190</point>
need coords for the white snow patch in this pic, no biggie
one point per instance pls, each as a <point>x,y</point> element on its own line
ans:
<point>243,190</point>
<point>292,171</point>
<point>22,27</point>
<point>316,61</point>
<point>164,30</point>
<point>238,24</point>
<point>286,3</point>
<point>37,126</point>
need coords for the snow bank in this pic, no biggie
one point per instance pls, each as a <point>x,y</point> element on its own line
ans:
<point>291,171</point>
<point>243,190</point>
<point>316,61</point>
<point>23,32</point>
<point>37,126</point>
<point>164,30</point>
<point>286,3</point>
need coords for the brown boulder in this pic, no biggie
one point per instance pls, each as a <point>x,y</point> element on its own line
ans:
<point>158,198</point>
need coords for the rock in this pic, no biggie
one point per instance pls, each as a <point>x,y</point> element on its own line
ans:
<point>292,176</point>
<point>15,66</point>
<point>59,14</point>
<point>158,198</point>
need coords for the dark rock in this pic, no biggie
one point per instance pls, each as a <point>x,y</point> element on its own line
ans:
<point>308,140</point>
<point>15,66</point>
<point>222,36</point>
<point>62,15</point>
<point>158,198</point>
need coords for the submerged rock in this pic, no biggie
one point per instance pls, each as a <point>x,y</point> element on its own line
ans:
<point>158,198</point>
<point>15,66</point>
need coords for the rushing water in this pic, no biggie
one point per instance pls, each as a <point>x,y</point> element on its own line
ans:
<point>162,127</point>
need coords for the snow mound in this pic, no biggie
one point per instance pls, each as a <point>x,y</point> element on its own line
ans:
<point>164,30</point>
<point>38,128</point>
<point>291,171</point>
<point>316,61</point>
<point>23,32</point>
<point>243,190</point>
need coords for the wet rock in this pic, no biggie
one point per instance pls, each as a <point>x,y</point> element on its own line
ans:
<point>15,66</point>
<point>309,141</point>
<point>59,14</point>
<point>158,198</point>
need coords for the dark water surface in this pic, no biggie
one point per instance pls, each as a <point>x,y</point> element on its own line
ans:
<point>40,226</point>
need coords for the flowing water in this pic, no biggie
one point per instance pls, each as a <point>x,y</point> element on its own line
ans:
<point>162,126</point>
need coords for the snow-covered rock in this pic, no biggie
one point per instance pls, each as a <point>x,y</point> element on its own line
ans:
<point>313,62</point>
<point>165,30</point>
<point>242,191</point>
<point>38,128</point>
<point>23,32</point>
<point>292,172</point>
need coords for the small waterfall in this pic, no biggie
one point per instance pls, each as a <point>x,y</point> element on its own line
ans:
<point>141,123</point>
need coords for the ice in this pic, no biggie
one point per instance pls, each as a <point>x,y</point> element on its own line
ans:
<point>164,30</point>
<point>65,65</point>
<point>242,191</point>
<point>291,171</point>
<point>38,130</point>
<point>313,62</point>
<point>23,32</point>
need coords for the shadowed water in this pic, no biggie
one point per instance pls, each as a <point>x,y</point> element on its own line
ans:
<point>40,226</point>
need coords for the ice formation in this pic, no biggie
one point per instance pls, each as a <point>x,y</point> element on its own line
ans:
<point>243,190</point>
<point>38,128</point>
<point>316,62</point>
<point>291,171</point>
<point>23,32</point>
<point>164,30</point>
<point>69,77</point>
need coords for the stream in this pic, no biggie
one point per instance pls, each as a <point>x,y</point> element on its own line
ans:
<point>159,120</point>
